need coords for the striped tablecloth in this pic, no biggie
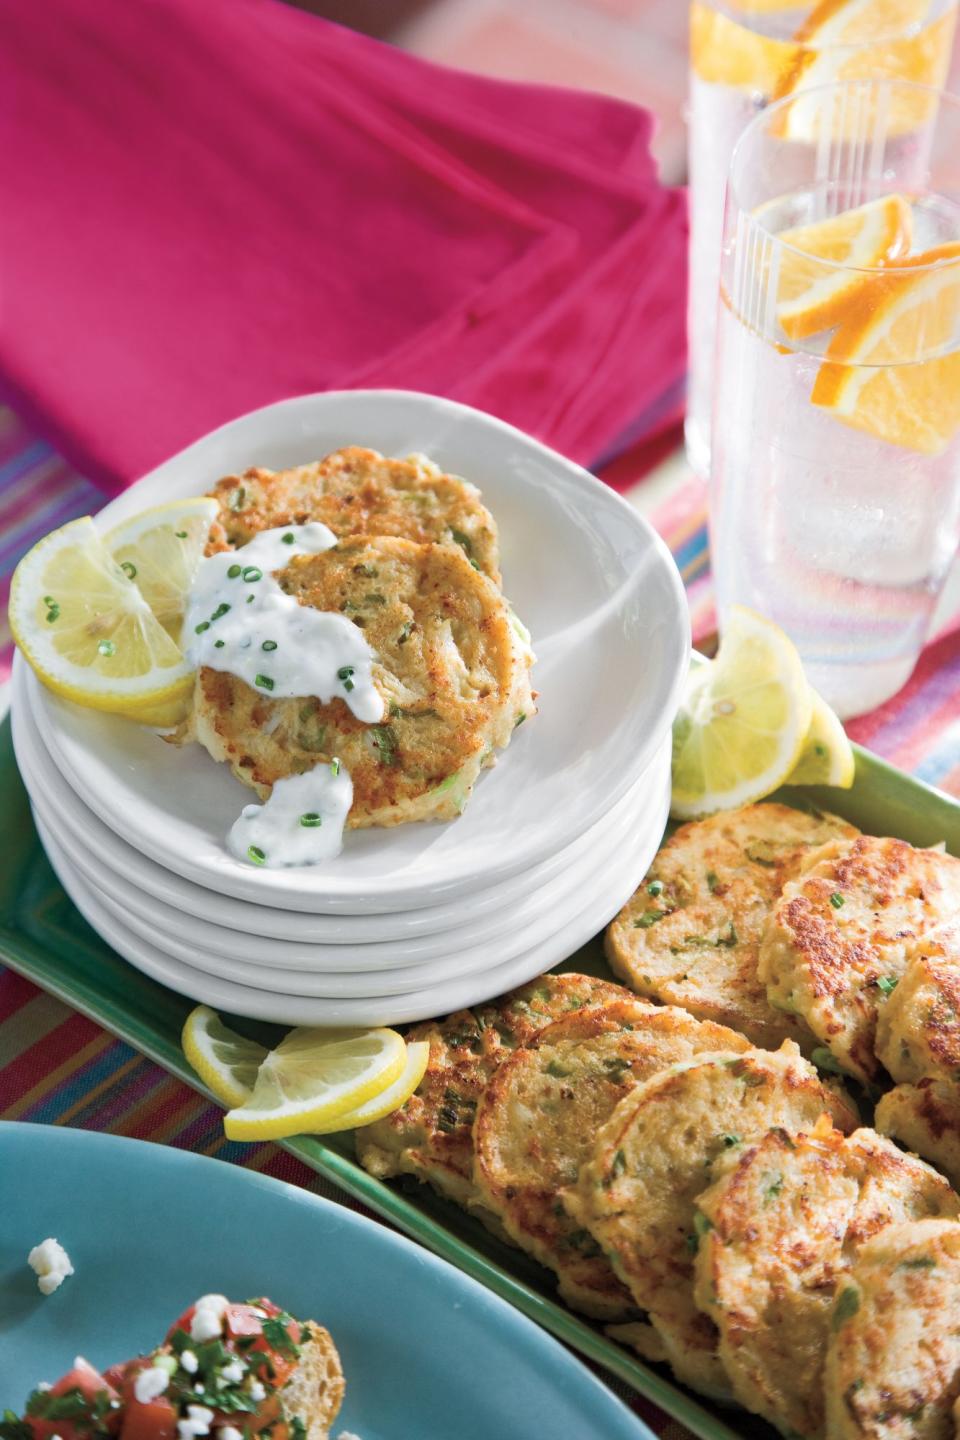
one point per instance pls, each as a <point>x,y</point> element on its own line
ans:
<point>58,1068</point>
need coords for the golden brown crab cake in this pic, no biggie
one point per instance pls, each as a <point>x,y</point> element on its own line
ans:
<point>926,1119</point>
<point>451,668</point>
<point>918,1028</point>
<point>778,1230</point>
<point>836,943</point>
<point>537,1119</point>
<point>652,1158</point>
<point>690,936</point>
<point>893,1356</point>
<point>360,492</point>
<point>431,1135</point>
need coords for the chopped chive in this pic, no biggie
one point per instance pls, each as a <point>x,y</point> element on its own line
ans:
<point>250,599</point>
<point>311,819</point>
<point>558,1071</point>
<point>107,647</point>
<point>255,854</point>
<point>520,719</point>
<point>264,682</point>
<point>375,598</point>
<point>730,1140</point>
<point>180,534</point>
<point>289,538</point>
<point>345,674</point>
<point>199,629</point>
<point>233,571</point>
<point>220,611</point>
<point>836,900</point>
<point>129,569</point>
<point>237,499</point>
<point>886,984</point>
<point>252,573</point>
<point>712,881</point>
<point>334,766</point>
<point>269,645</point>
<point>53,613</point>
<point>404,635</point>
<point>655,887</point>
<point>49,600</point>
<point>650,918</point>
<point>218,644</point>
<point>386,744</point>
<point>846,1306</point>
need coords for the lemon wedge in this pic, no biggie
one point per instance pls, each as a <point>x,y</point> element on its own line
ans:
<point>742,722</point>
<point>395,1095</point>
<point>826,757</point>
<point>226,1062</point>
<point>160,550</point>
<point>314,1077</point>
<point>87,631</point>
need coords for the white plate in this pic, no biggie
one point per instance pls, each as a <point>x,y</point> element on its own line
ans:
<point>464,947</point>
<point>385,1010</point>
<point>605,876</point>
<point>486,911</point>
<point>596,585</point>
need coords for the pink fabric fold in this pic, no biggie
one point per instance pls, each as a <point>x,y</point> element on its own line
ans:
<point>211,207</point>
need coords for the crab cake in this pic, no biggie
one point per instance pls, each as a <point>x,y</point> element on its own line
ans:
<point>359,492</point>
<point>691,934</point>
<point>926,1119</point>
<point>651,1160</point>
<point>893,1358</point>
<point>918,1029</point>
<point>451,668</point>
<point>431,1135</point>
<point>536,1122</point>
<point>778,1230</point>
<point>837,941</point>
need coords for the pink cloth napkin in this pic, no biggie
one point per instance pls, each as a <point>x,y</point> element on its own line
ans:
<point>209,207</point>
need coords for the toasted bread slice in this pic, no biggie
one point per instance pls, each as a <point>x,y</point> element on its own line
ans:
<point>314,1393</point>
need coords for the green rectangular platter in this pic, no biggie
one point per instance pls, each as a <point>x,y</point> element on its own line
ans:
<point>44,938</point>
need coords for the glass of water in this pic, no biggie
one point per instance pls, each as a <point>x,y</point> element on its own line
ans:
<point>835,493</point>
<point>745,54</point>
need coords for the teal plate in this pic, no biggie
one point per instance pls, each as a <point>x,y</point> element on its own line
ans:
<point>43,937</point>
<point>426,1352</point>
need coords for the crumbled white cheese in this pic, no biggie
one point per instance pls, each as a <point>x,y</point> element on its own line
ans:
<point>197,1422</point>
<point>229,1432</point>
<point>189,1362</point>
<point>44,1386</point>
<point>257,1391</point>
<point>51,1265</point>
<point>208,1313</point>
<point>233,1372</point>
<point>347,1435</point>
<point>150,1383</point>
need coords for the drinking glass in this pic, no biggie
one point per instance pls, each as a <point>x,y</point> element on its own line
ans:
<point>835,492</point>
<point>744,54</point>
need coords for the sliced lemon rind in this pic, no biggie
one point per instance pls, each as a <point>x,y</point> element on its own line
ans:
<point>202,1031</point>
<point>391,1099</point>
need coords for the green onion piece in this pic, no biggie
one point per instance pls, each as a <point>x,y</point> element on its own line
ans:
<point>886,984</point>
<point>650,918</point>
<point>655,887</point>
<point>237,499</point>
<point>107,647</point>
<point>712,881</point>
<point>334,766</point>
<point>520,719</point>
<point>345,675</point>
<point>264,682</point>
<point>404,635</point>
<point>180,534</point>
<point>269,645</point>
<point>129,568</point>
<point>824,1060</point>
<point>220,611</point>
<point>199,629</point>
<point>836,900</point>
<point>53,613</point>
<point>252,573</point>
<point>250,599</point>
<point>311,819</point>
<point>233,571</point>
<point>289,538</point>
<point>846,1306</point>
<point>255,854</point>
<point>218,644</point>
<point>49,600</point>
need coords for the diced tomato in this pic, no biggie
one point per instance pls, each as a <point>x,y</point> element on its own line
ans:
<point>150,1420</point>
<point>90,1383</point>
<point>114,1375</point>
<point>184,1323</point>
<point>244,1320</point>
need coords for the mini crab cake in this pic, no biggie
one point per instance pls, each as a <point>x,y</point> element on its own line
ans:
<point>778,1231</point>
<point>651,1160</point>
<point>836,943</point>
<point>359,492</point>
<point>431,1135</point>
<point>536,1122</point>
<point>926,1119</point>
<point>691,934</point>
<point>893,1358</point>
<point>451,668</point>
<point>918,1029</point>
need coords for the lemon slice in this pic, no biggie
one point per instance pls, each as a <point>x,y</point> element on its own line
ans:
<point>826,757</point>
<point>882,372</point>
<point>813,296</point>
<point>395,1095</point>
<point>162,549</point>
<point>312,1078</point>
<point>741,725</point>
<point>226,1062</point>
<point>87,631</point>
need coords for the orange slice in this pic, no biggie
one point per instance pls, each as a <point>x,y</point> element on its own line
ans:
<point>812,296</point>
<point>725,53</point>
<point>884,370</point>
<point>865,40</point>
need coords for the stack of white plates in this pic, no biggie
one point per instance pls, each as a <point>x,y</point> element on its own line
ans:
<point>419,919</point>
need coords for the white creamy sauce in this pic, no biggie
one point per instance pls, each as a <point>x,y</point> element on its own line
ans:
<point>239,620</point>
<point>301,823</point>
